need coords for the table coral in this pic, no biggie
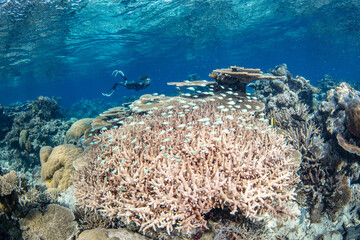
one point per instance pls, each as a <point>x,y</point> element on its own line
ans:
<point>56,166</point>
<point>238,77</point>
<point>169,168</point>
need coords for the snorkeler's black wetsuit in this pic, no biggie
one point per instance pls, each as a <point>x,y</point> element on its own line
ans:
<point>143,83</point>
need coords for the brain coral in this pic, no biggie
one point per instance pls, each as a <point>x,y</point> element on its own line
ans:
<point>169,168</point>
<point>56,165</point>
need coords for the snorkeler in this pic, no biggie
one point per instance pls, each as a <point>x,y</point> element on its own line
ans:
<point>142,83</point>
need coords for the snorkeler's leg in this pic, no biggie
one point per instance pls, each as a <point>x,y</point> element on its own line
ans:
<point>116,72</point>
<point>111,91</point>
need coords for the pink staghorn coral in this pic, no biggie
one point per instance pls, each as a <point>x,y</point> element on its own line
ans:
<point>169,168</point>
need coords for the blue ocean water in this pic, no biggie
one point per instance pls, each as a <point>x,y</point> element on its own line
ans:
<point>70,48</point>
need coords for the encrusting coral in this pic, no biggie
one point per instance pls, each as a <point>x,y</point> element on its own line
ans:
<point>56,223</point>
<point>169,168</point>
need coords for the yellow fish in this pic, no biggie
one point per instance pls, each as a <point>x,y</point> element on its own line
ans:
<point>272,122</point>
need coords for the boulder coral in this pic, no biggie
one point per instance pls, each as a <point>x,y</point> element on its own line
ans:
<point>56,165</point>
<point>169,168</point>
<point>77,130</point>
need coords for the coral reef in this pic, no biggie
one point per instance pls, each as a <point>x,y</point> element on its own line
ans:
<point>227,226</point>
<point>322,170</point>
<point>90,220</point>
<point>56,165</point>
<point>339,114</point>
<point>347,146</point>
<point>56,222</point>
<point>109,118</point>
<point>301,130</point>
<point>33,125</point>
<point>283,91</point>
<point>155,169</point>
<point>201,165</point>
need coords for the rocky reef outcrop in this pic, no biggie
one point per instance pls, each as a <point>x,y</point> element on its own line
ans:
<point>340,115</point>
<point>27,127</point>
<point>285,91</point>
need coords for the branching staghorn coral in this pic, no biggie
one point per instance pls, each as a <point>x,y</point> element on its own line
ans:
<point>300,130</point>
<point>289,117</point>
<point>306,139</point>
<point>169,168</point>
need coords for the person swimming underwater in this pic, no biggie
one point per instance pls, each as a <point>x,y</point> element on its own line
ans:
<point>142,83</point>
